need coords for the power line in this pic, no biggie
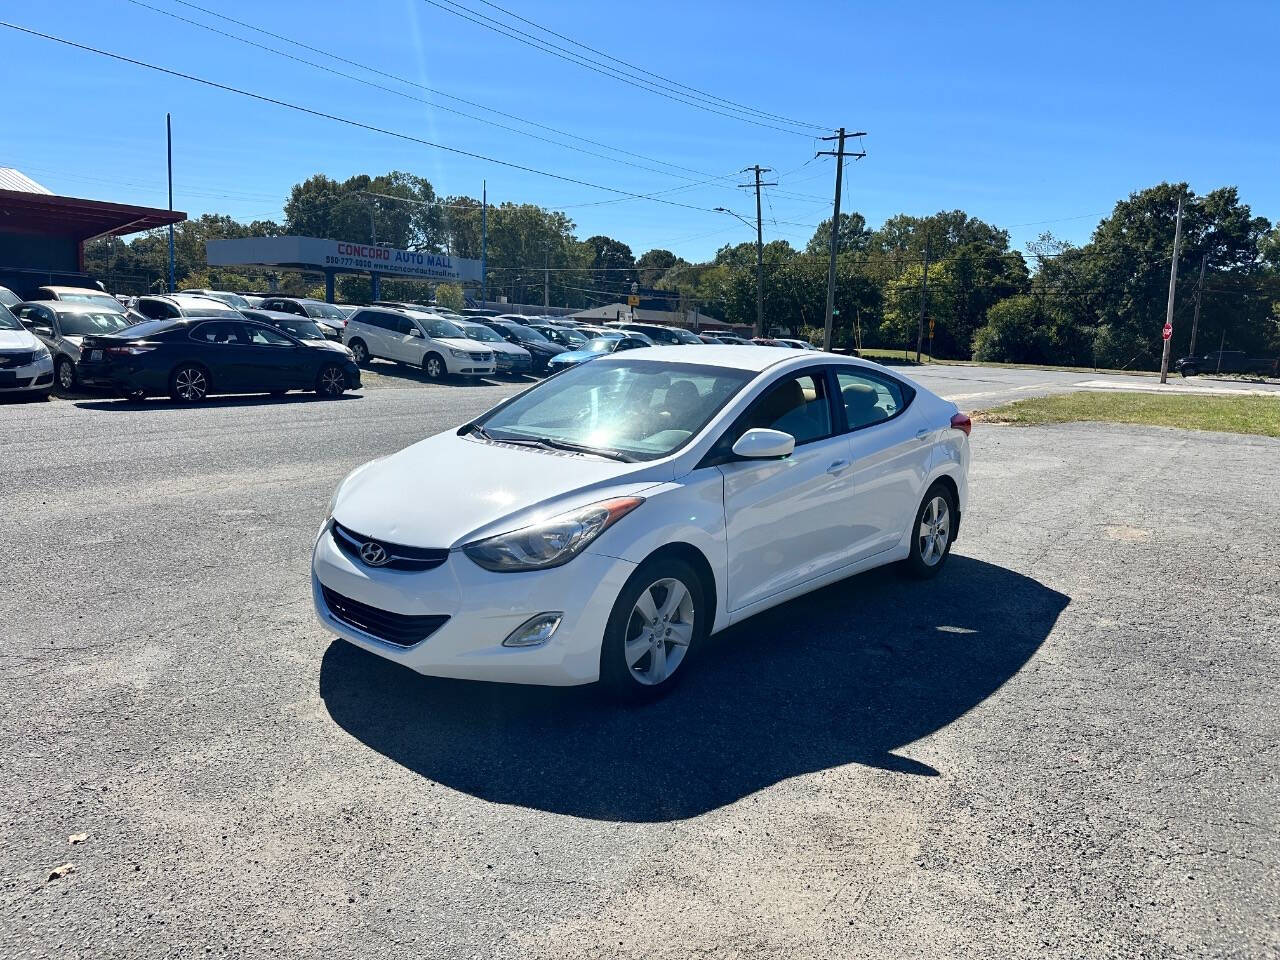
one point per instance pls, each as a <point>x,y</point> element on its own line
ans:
<point>512,33</point>
<point>667,80</point>
<point>438,106</point>
<point>262,98</point>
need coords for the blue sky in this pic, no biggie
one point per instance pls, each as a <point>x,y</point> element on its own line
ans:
<point>1032,116</point>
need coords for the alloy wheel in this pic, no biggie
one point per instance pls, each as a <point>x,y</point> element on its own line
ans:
<point>359,352</point>
<point>191,384</point>
<point>659,631</point>
<point>332,381</point>
<point>435,369</point>
<point>66,375</point>
<point>935,531</point>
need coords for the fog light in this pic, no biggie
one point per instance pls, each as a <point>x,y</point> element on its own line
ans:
<point>534,631</point>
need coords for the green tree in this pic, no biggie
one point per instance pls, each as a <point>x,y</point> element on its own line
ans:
<point>1016,332</point>
<point>852,237</point>
<point>449,296</point>
<point>398,209</point>
<point>653,264</point>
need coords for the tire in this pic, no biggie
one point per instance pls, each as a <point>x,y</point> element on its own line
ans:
<point>331,381</point>
<point>1188,371</point>
<point>434,367</point>
<point>636,665</point>
<point>64,374</point>
<point>189,383</point>
<point>929,550</point>
<point>359,351</point>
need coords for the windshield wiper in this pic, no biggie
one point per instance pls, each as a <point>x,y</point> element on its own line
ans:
<point>474,427</point>
<point>555,444</point>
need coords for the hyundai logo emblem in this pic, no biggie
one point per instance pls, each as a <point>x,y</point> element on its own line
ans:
<point>374,554</point>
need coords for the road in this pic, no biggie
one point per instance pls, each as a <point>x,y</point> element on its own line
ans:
<point>1064,746</point>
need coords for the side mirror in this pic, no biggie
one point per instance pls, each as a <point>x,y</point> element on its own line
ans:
<point>41,328</point>
<point>762,444</point>
<point>415,332</point>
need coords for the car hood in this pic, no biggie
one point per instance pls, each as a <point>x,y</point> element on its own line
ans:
<point>19,340</point>
<point>501,347</point>
<point>331,345</point>
<point>549,348</point>
<point>465,343</point>
<point>577,356</point>
<point>448,490</point>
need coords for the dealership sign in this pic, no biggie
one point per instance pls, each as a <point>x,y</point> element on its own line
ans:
<point>341,256</point>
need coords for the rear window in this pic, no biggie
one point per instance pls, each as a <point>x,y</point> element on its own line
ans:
<point>145,329</point>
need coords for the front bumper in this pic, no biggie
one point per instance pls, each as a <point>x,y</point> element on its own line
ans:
<point>509,363</point>
<point>31,376</point>
<point>483,609</point>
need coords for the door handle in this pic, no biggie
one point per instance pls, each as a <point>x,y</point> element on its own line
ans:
<point>923,433</point>
<point>837,466</point>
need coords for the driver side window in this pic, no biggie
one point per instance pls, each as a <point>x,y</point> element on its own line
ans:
<point>795,405</point>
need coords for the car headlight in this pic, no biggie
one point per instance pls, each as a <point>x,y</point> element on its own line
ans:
<point>41,353</point>
<point>551,542</point>
<point>460,354</point>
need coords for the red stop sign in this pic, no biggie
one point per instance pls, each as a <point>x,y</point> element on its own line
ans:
<point>1168,331</point>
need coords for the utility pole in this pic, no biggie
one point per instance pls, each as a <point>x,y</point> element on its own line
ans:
<point>484,241</point>
<point>1173,281</point>
<point>546,278</point>
<point>757,169</point>
<point>1195,321</point>
<point>924,300</point>
<point>168,135</point>
<point>838,153</point>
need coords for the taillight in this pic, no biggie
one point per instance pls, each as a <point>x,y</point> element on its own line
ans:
<point>961,422</point>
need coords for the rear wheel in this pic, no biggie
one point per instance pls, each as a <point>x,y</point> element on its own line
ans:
<point>189,384</point>
<point>65,373</point>
<point>657,619</point>
<point>1188,371</point>
<point>932,533</point>
<point>331,381</point>
<point>433,366</point>
<point>359,351</point>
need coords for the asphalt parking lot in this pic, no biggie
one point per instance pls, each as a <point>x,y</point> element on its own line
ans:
<point>1065,746</point>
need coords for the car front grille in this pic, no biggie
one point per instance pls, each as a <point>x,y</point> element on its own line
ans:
<point>401,629</point>
<point>12,358</point>
<point>399,557</point>
<point>482,356</point>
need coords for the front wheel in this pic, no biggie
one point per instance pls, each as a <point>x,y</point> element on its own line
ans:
<point>658,617</point>
<point>433,366</point>
<point>359,352</point>
<point>331,381</point>
<point>66,374</point>
<point>932,533</point>
<point>1187,371</point>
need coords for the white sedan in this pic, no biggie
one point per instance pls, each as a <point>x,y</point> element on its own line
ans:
<point>599,525</point>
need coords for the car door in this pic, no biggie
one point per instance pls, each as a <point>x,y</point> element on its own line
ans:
<point>409,342</point>
<point>273,360</point>
<point>223,347</point>
<point>890,447</point>
<point>787,520</point>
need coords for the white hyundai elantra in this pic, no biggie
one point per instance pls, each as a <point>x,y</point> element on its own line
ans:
<point>601,524</point>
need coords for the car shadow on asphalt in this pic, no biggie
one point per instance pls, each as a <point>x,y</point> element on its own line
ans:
<point>848,674</point>
<point>217,401</point>
<point>400,371</point>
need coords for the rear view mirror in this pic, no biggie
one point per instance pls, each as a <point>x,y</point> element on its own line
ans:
<point>762,444</point>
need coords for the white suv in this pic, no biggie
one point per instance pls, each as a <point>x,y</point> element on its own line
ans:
<point>417,338</point>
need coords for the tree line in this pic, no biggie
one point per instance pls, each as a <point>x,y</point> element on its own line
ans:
<point>1101,303</point>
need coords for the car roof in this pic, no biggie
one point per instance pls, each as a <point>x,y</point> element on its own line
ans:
<point>254,312</point>
<point>60,289</point>
<point>734,356</point>
<point>68,306</point>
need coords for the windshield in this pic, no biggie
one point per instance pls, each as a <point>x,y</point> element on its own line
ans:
<point>88,324</point>
<point>603,344</point>
<point>97,299</point>
<point>325,311</point>
<point>526,333</point>
<point>300,328</point>
<point>482,333</point>
<point>644,409</point>
<point>230,299</point>
<point>8,298</point>
<point>440,329</point>
<point>7,320</point>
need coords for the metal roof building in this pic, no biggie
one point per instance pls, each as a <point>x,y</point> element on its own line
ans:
<point>42,235</point>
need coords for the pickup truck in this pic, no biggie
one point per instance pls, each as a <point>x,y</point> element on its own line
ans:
<point>1227,361</point>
